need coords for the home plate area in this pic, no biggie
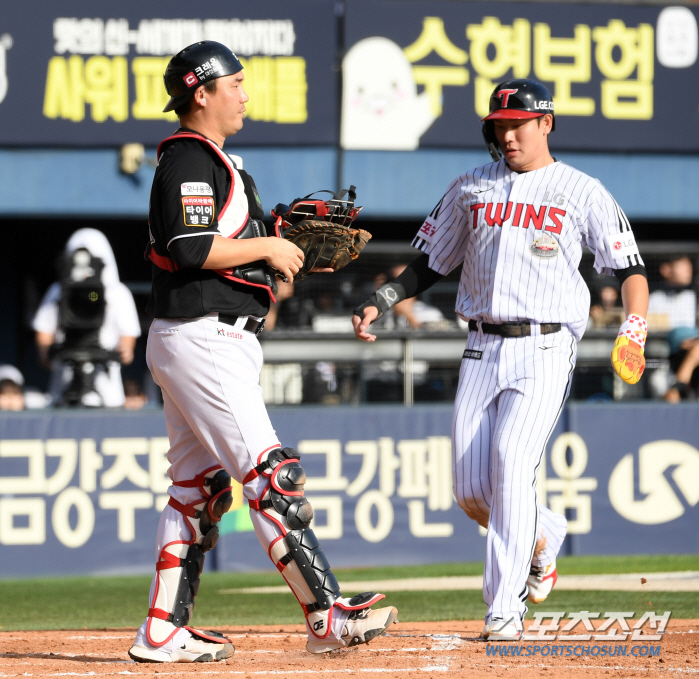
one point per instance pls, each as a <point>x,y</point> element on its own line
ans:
<point>410,650</point>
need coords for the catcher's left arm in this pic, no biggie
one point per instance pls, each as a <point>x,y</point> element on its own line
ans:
<point>627,355</point>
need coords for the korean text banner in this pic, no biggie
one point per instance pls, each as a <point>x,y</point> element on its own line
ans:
<point>623,78</point>
<point>82,492</point>
<point>81,73</point>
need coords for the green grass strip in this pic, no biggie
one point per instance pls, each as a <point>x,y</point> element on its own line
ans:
<point>99,602</point>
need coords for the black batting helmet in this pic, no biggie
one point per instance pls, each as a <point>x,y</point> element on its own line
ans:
<point>516,100</point>
<point>194,66</point>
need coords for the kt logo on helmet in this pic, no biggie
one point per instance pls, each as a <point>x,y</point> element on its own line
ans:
<point>505,95</point>
<point>190,79</point>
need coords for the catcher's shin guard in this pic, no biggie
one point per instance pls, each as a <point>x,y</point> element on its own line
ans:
<point>181,562</point>
<point>297,553</point>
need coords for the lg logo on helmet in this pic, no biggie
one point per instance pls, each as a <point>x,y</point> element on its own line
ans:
<point>190,79</point>
<point>505,95</point>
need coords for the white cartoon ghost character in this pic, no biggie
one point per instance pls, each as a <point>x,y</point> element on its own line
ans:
<point>381,108</point>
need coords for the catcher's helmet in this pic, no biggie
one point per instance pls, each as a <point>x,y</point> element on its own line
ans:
<point>516,100</point>
<point>194,66</point>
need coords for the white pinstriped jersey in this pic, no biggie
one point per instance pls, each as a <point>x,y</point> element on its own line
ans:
<point>520,237</point>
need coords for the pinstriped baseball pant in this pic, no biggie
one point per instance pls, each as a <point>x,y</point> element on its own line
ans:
<point>508,402</point>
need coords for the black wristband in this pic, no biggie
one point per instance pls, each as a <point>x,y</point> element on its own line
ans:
<point>383,299</point>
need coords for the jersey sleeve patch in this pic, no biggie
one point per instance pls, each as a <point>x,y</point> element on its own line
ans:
<point>198,210</point>
<point>622,244</point>
<point>427,230</point>
<point>196,189</point>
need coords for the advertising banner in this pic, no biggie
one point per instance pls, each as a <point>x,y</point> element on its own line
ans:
<point>76,73</point>
<point>420,74</point>
<point>82,492</point>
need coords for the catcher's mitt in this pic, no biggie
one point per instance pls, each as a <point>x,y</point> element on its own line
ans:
<point>322,230</point>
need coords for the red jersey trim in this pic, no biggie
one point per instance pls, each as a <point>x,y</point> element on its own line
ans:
<point>224,273</point>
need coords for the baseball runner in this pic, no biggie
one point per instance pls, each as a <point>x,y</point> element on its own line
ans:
<point>213,279</point>
<point>518,225</point>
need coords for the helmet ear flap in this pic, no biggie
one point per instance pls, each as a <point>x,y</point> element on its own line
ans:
<point>491,141</point>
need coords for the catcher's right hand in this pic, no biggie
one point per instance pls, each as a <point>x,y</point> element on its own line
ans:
<point>284,257</point>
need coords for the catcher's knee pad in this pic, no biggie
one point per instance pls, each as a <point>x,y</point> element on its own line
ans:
<point>203,516</point>
<point>296,554</point>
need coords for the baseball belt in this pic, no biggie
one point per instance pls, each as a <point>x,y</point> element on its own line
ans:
<point>523,329</point>
<point>253,324</point>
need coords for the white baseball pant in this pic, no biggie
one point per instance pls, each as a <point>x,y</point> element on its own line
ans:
<point>209,373</point>
<point>508,402</point>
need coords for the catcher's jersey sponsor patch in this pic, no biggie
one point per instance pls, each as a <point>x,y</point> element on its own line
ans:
<point>622,244</point>
<point>544,247</point>
<point>472,353</point>
<point>196,189</point>
<point>198,210</point>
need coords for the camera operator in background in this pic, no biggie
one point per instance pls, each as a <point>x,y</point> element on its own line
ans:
<point>11,388</point>
<point>70,337</point>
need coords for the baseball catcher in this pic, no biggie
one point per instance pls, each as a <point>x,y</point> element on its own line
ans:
<point>322,230</point>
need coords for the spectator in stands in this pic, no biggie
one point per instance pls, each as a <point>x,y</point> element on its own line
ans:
<point>11,388</point>
<point>606,310</point>
<point>673,301</point>
<point>119,331</point>
<point>290,310</point>
<point>684,363</point>
<point>134,398</point>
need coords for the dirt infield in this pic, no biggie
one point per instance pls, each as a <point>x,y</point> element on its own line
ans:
<point>411,650</point>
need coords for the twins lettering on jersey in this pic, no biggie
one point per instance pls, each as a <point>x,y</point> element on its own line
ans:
<point>518,214</point>
<point>520,238</point>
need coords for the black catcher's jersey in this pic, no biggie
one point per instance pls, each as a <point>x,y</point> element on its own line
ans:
<point>191,200</point>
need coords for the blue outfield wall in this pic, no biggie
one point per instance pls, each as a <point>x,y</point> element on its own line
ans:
<point>80,492</point>
<point>59,183</point>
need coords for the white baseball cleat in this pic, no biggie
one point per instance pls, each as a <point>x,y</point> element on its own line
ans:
<point>541,581</point>
<point>183,647</point>
<point>361,627</point>
<point>498,629</point>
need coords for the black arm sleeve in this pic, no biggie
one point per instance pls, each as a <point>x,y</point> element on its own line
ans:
<point>623,274</point>
<point>418,276</point>
<point>191,253</point>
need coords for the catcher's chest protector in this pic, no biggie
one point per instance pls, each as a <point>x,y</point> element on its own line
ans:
<point>239,217</point>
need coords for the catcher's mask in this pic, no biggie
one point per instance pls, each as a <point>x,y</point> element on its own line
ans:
<point>515,100</point>
<point>334,210</point>
<point>194,66</point>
